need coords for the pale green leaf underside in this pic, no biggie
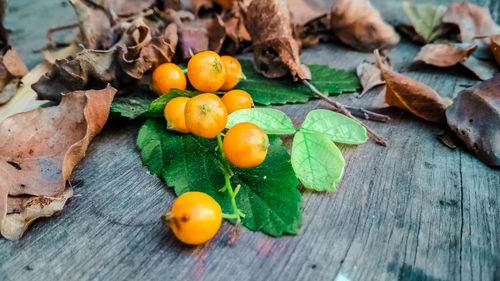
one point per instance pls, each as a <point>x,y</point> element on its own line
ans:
<point>426,19</point>
<point>272,121</point>
<point>317,161</point>
<point>336,126</point>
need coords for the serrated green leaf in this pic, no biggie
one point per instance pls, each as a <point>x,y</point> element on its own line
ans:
<point>317,161</point>
<point>268,195</point>
<point>272,121</point>
<point>129,107</point>
<point>157,106</point>
<point>284,90</point>
<point>337,127</point>
<point>427,19</point>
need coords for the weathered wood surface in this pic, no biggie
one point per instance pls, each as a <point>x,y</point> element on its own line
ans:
<point>412,211</point>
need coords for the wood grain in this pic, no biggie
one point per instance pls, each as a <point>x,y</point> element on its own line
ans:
<point>415,210</point>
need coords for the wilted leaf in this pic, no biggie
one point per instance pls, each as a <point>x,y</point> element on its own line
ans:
<point>275,50</point>
<point>445,55</point>
<point>234,25</point>
<point>495,47</point>
<point>94,24</point>
<point>22,211</point>
<point>369,74</point>
<point>483,69</point>
<point>302,12</point>
<point>412,95</point>
<point>12,69</point>
<point>40,163</point>
<point>472,20</point>
<point>358,24</point>
<point>475,117</point>
<point>426,20</point>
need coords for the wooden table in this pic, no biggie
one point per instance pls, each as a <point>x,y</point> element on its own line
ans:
<point>415,210</point>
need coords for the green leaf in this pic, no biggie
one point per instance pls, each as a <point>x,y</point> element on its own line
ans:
<point>268,195</point>
<point>426,19</point>
<point>129,107</point>
<point>317,161</point>
<point>157,106</point>
<point>337,127</point>
<point>272,121</point>
<point>284,90</point>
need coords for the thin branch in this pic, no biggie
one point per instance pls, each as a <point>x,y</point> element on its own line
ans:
<point>50,34</point>
<point>368,115</point>
<point>342,109</point>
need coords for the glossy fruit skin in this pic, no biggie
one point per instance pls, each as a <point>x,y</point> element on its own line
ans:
<point>206,115</point>
<point>167,76</point>
<point>245,145</point>
<point>195,217</point>
<point>233,72</point>
<point>236,100</point>
<point>206,71</point>
<point>174,114</point>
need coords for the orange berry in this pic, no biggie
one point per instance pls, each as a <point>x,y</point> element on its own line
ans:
<point>245,145</point>
<point>236,100</point>
<point>233,72</point>
<point>206,71</point>
<point>206,115</point>
<point>168,76</point>
<point>174,114</point>
<point>195,218</point>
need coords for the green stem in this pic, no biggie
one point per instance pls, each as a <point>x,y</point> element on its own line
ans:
<point>228,173</point>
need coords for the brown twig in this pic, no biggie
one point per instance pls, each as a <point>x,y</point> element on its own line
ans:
<point>50,34</point>
<point>340,108</point>
<point>368,115</point>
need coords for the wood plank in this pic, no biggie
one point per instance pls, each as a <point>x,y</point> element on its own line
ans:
<point>412,211</point>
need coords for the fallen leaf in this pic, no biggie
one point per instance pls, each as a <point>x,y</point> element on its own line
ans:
<point>412,95</point>
<point>369,74</point>
<point>483,69</point>
<point>22,211</point>
<point>275,50</point>
<point>426,20</point>
<point>12,69</point>
<point>475,117</point>
<point>472,20</point>
<point>358,24</point>
<point>141,48</point>
<point>237,35</point>
<point>302,12</point>
<point>40,163</point>
<point>94,24</point>
<point>495,47</point>
<point>445,55</point>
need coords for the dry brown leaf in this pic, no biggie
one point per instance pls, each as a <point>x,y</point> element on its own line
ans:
<point>234,25</point>
<point>94,24</point>
<point>495,47</point>
<point>22,211</point>
<point>358,24</point>
<point>302,12</point>
<point>276,52</point>
<point>472,20</point>
<point>445,55</point>
<point>412,95</point>
<point>12,69</point>
<point>39,148</point>
<point>369,73</point>
<point>475,118</point>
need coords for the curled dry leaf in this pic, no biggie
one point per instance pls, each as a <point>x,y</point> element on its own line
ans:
<point>445,55</point>
<point>94,24</point>
<point>12,69</point>
<point>358,24</point>
<point>22,211</point>
<point>39,164</point>
<point>369,73</point>
<point>472,20</point>
<point>412,95</point>
<point>275,50</point>
<point>495,47</point>
<point>236,33</point>
<point>475,117</point>
<point>302,12</point>
<point>141,48</point>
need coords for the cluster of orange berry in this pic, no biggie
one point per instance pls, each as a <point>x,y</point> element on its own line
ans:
<point>195,217</point>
